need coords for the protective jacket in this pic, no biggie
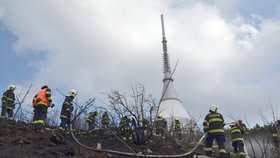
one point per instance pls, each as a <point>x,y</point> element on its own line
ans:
<point>124,124</point>
<point>43,97</point>
<point>177,126</point>
<point>214,123</point>
<point>67,107</point>
<point>236,132</point>
<point>160,123</point>
<point>275,132</point>
<point>105,119</point>
<point>92,116</point>
<point>8,99</point>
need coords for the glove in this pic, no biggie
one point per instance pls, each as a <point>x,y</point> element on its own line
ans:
<point>52,105</point>
<point>205,130</point>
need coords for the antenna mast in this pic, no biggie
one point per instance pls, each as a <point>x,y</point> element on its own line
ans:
<point>166,65</point>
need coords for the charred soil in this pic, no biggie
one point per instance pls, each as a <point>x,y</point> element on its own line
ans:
<point>18,140</point>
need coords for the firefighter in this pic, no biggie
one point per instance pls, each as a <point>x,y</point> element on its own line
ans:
<point>41,102</point>
<point>243,127</point>
<point>178,128</point>
<point>91,120</point>
<point>8,102</point>
<point>276,134</point>
<point>124,128</point>
<point>160,124</point>
<point>213,125</point>
<point>67,109</point>
<point>237,129</point>
<point>105,120</point>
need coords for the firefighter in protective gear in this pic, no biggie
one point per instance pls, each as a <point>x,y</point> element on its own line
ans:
<point>124,128</point>
<point>67,109</point>
<point>213,125</point>
<point>160,125</point>
<point>8,102</point>
<point>91,120</point>
<point>105,120</point>
<point>41,101</point>
<point>237,129</point>
<point>178,128</point>
<point>276,134</point>
<point>243,127</point>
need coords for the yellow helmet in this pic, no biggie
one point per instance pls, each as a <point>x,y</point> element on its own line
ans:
<point>177,118</point>
<point>11,87</point>
<point>72,92</point>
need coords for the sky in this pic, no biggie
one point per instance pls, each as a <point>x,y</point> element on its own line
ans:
<point>227,51</point>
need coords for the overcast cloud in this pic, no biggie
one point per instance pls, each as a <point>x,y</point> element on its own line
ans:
<point>96,45</point>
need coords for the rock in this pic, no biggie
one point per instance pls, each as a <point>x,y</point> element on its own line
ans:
<point>139,153</point>
<point>149,151</point>
<point>48,129</point>
<point>99,146</point>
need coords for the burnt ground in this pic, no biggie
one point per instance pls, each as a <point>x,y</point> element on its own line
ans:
<point>17,140</point>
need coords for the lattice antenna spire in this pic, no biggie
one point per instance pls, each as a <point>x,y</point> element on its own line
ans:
<point>166,65</point>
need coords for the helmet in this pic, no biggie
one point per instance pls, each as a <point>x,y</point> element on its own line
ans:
<point>11,87</point>
<point>72,92</point>
<point>176,118</point>
<point>159,117</point>
<point>213,108</point>
<point>232,124</point>
<point>240,121</point>
<point>45,86</point>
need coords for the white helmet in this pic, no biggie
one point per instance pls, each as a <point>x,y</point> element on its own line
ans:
<point>72,92</point>
<point>213,108</point>
<point>11,87</point>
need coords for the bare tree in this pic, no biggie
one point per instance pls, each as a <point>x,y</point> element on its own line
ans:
<point>139,107</point>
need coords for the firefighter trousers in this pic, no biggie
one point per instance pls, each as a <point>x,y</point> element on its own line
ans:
<point>220,138</point>
<point>40,114</point>
<point>64,122</point>
<point>238,148</point>
<point>7,110</point>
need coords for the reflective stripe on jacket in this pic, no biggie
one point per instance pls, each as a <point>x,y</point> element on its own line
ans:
<point>236,133</point>
<point>214,123</point>
<point>8,99</point>
<point>67,107</point>
<point>42,97</point>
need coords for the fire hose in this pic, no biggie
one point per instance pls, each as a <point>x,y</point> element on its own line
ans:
<point>133,154</point>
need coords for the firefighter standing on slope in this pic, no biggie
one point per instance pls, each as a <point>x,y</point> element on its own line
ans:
<point>178,129</point>
<point>237,129</point>
<point>8,102</point>
<point>160,124</point>
<point>91,120</point>
<point>67,109</point>
<point>41,101</point>
<point>213,125</point>
<point>124,128</point>
<point>105,120</point>
<point>276,135</point>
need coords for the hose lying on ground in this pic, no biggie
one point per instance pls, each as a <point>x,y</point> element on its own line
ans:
<point>133,154</point>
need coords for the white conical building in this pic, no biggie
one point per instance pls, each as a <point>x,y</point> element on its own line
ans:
<point>170,105</point>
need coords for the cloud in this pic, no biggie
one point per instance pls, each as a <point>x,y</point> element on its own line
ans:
<point>96,46</point>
